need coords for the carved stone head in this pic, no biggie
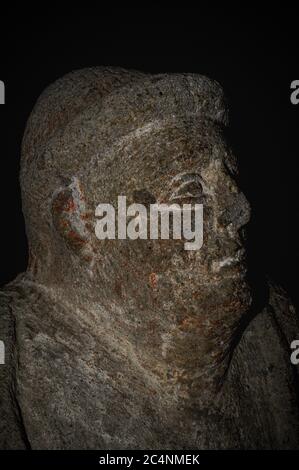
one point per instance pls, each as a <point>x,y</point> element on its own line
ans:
<point>100,133</point>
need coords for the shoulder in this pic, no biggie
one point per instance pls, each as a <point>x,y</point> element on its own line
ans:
<point>273,329</point>
<point>12,434</point>
<point>284,314</point>
<point>262,373</point>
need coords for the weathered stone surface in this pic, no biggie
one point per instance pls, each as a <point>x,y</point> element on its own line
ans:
<point>139,344</point>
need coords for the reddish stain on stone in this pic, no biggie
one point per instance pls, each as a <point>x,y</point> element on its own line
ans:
<point>70,205</point>
<point>85,216</point>
<point>76,238</point>
<point>153,281</point>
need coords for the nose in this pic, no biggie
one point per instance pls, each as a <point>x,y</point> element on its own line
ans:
<point>237,214</point>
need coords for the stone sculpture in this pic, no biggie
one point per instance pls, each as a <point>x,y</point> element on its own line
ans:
<point>127,344</point>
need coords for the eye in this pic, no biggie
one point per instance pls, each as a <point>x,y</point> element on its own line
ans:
<point>187,188</point>
<point>192,188</point>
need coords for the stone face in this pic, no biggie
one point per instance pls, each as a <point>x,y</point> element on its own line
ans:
<point>119,344</point>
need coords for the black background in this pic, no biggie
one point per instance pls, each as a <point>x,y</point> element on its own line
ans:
<point>253,55</point>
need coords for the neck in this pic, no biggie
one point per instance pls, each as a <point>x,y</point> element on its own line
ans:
<point>186,354</point>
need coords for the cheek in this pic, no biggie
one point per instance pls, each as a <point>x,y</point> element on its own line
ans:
<point>145,271</point>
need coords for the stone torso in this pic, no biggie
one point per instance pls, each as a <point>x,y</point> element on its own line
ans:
<point>72,384</point>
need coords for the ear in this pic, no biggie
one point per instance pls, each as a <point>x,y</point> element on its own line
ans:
<point>71,220</point>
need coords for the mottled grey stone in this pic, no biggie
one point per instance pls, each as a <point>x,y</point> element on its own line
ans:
<point>139,344</point>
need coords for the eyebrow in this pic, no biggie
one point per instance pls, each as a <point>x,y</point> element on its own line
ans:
<point>181,182</point>
<point>187,177</point>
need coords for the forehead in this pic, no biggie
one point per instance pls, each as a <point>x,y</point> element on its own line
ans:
<point>147,156</point>
<point>157,151</point>
<point>162,145</point>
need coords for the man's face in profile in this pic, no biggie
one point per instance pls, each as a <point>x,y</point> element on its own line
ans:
<point>182,162</point>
